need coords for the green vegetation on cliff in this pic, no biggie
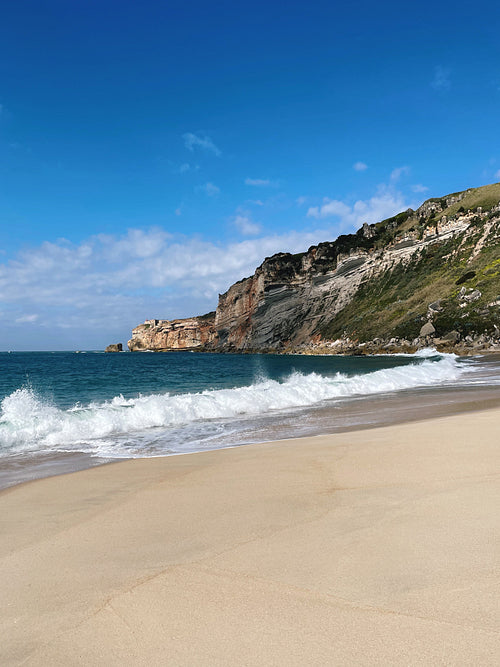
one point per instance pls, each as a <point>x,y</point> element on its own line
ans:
<point>458,277</point>
<point>438,265</point>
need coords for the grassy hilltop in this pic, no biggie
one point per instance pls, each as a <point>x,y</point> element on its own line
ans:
<point>396,302</point>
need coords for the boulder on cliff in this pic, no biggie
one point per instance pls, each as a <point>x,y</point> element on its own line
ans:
<point>427,330</point>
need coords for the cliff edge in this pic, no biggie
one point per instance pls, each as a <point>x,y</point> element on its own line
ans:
<point>421,276</point>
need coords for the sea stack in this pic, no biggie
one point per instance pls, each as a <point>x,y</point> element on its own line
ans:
<point>114,347</point>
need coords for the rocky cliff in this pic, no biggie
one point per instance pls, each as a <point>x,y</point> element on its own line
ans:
<point>437,266</point>
<point>162,335</point>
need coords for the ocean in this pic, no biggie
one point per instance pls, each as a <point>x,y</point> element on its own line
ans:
<point>63,411</point>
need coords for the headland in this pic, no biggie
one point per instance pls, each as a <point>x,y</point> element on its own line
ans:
<point>429,276</point>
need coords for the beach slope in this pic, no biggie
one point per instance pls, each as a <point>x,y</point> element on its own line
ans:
<point>375,547</point>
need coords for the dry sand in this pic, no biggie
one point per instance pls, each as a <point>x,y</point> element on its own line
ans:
<point>377,547</point>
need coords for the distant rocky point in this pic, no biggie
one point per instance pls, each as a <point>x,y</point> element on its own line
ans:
<point>424,277</point>
<point>114,347</point>
<point>162,335</point>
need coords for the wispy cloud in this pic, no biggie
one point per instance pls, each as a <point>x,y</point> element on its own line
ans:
<point>385,202</point>
<point>93,293</point>
<point>360,166</point>
<point>108,284</point>
<point>245,225</point>
<point>397,173</point>
<point>328,208</point>
<point>261,182</point>
<point>192,141</point>
<point>185,168</point>
<point>209,189</point>
<point>418,187</point>
<point>441,80</point>
<point>26,319</point>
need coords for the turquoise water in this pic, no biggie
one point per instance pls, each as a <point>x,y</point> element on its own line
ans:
<point>111,406</point>
<point>67,378</point>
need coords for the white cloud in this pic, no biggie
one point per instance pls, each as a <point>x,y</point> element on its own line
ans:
<point>192,141</point>
<point>330,207</point>
<point>261,182</point>
<point>246,225</point>
<point>398,172</point>
<point>74,276</point>
<point>385,203</point>
<point>497,174</point>
<point>210,189</point>
<point>137,243</point>
<point>90,294</point>
<point>27,318</point>
<point>418,187</point>
<point>441,79</point>
<point>359,166</point>
<point>300,201</point>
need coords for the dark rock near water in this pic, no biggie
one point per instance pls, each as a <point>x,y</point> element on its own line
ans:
<point>114,347</point>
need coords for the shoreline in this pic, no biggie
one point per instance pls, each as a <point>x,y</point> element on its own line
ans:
<point>358,548</point>
<point>340,349</point>
<point>368,412</point>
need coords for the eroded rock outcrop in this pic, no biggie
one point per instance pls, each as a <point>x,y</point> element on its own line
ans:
<point>186,334</point>
<point>114,347</point>
<point>288,297</point>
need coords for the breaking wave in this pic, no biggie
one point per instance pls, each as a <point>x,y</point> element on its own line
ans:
<point>28,423</point>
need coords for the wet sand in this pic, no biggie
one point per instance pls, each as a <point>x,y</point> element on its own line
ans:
<point>356,413</point>
<point>374,547</point>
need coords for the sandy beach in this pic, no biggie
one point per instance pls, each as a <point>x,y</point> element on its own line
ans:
<point>376,547</point>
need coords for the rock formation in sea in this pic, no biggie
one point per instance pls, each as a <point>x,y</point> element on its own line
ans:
<point>424,276</point>
<point>114,347</point>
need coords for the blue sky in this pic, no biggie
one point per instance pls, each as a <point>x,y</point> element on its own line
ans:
<point>153,153</point>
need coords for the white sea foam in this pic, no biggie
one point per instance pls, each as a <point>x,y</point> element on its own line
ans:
<point>423,353</point>
<point>30,424</point>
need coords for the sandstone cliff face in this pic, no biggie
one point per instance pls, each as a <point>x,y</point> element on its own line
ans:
<point>295,300</point>
<point>288,297</point>
<point>160,335</point>
<point>383,275</point>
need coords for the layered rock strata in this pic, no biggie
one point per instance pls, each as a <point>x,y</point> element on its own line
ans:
<point>186,334</point>
<point>305,300</point>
